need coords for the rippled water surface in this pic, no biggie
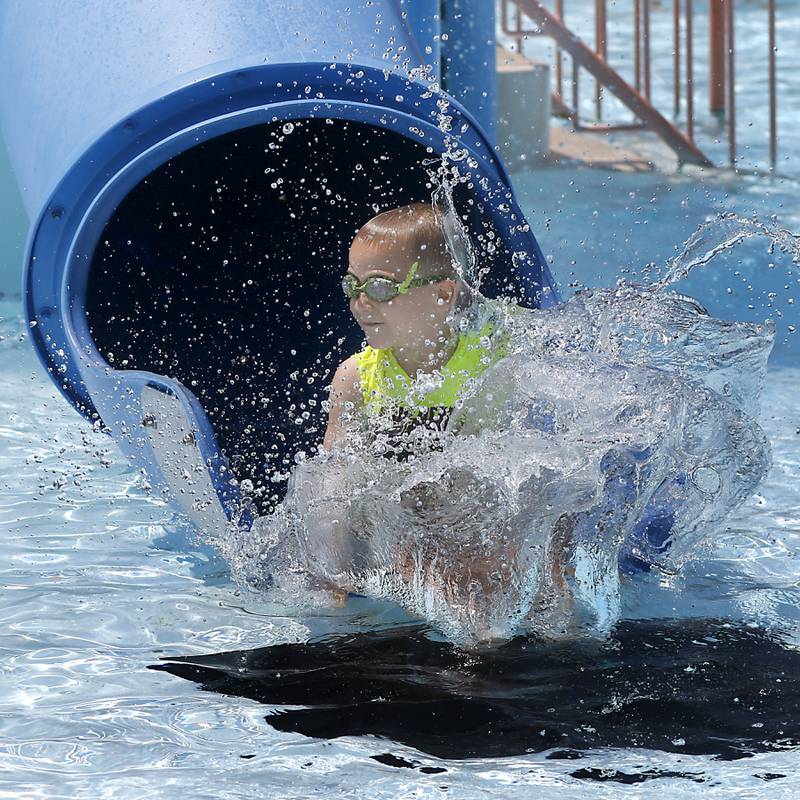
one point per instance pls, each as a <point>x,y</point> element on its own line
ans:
<point>100,581</point>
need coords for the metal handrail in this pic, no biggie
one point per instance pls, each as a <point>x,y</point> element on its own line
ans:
<point>722,66</point>
<point>548,24</point>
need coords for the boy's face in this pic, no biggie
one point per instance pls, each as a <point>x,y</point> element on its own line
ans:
<point>414,320</point>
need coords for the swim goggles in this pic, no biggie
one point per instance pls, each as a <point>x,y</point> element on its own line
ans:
<point>381,289</point>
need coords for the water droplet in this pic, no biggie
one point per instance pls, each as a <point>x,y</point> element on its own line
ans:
<point>706,480</point>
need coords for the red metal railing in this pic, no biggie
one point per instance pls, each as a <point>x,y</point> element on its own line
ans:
<point>637,98</point>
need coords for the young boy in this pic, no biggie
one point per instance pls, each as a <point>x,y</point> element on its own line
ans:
<point>404,293</point>
<point>428,341</point>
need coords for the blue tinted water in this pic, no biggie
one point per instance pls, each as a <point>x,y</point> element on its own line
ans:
<point>100,579</point>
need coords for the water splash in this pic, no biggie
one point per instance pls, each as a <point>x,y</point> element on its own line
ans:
<point>453,167</point>
<point>459,246</point>
<point>615,436</point>
<point>724,233</point>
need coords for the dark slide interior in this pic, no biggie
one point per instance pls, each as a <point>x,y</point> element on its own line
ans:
<point>222,268</point>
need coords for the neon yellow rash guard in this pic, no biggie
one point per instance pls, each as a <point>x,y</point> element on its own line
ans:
<point>385,383</point>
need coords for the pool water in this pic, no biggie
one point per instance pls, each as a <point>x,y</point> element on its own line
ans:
<point>101,580</point>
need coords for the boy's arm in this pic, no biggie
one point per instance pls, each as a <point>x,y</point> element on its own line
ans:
<point>345,398</point>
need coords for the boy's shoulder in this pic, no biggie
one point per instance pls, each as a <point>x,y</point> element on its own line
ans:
<point>346,383</point>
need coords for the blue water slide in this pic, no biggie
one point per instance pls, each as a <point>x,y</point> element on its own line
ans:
<point>194,172</point>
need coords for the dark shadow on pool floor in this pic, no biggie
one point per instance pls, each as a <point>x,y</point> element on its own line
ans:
<point>698,687</point>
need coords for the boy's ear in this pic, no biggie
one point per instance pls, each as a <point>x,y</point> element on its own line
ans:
<point>446,290</point>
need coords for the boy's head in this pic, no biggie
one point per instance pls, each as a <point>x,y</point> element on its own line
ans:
<point>388,246</point>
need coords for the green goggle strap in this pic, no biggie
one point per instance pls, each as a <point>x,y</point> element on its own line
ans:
<point>406,284</point>
<point>411,282</point>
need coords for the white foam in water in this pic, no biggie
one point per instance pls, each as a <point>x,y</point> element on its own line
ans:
<point>621,408</point>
